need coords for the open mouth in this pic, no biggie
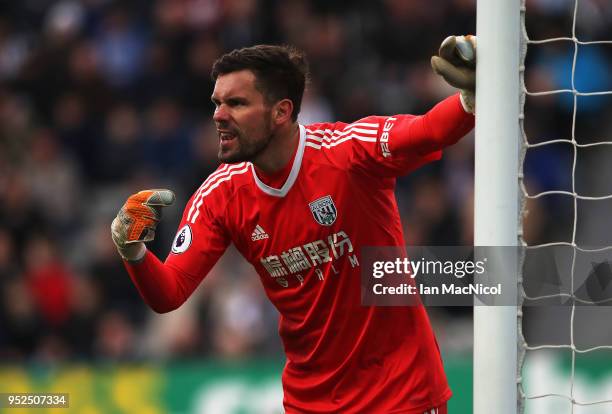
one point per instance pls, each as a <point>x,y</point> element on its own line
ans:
<point>226,136</point>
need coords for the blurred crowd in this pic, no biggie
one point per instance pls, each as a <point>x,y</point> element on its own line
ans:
<point>101,98</point>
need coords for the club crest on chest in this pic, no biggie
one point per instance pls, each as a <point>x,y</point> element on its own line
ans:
<point>324,210</point>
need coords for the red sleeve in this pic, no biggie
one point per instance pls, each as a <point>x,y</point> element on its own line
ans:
<point>400,144</point>
<point>199,242</point>
<point>163,287</point>
<point>442,126</point>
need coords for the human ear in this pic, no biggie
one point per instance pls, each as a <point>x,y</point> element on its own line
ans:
<point>282,111</point>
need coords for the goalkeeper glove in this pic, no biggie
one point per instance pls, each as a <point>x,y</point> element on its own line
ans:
<point>136,221</point>
<point>456,63</point>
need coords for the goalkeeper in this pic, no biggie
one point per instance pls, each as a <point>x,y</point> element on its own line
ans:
<point>299,202</point>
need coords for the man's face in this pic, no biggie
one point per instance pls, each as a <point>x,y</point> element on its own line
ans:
<point>242,118</point>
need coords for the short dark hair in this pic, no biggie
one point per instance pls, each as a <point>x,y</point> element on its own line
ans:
<point>281,72</point>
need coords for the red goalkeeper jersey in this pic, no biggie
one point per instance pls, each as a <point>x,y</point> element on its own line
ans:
<point>304,241</point>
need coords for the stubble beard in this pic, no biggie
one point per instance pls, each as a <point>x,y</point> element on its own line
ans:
<point>248,148</point>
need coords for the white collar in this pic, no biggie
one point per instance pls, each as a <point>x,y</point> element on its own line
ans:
<point>295,169</point>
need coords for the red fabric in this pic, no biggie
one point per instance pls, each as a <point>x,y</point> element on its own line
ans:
<point>341,356</point>
<point>441,127</point>
<point>163,288</point>
<point>51,287</point>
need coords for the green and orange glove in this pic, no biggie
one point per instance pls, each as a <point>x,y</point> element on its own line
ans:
<point>136,222</point>
<point>456,63</point>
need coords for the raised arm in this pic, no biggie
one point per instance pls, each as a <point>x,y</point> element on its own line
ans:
<point>164,286</point>
<point>440,127</point>
<point>452,118</point>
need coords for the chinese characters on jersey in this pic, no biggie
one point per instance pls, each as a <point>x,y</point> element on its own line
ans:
<point>304,258</point>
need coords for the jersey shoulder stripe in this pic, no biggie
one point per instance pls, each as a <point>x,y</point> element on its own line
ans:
<point>222,169</point>
<point>224,174</point>
<point>322,135</point>
<point>330,135</point>
<point>362,127</point>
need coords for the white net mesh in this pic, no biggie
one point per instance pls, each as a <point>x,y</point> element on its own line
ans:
<point>544,392</point>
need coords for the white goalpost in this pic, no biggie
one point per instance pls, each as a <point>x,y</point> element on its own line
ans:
<point>496,197</point>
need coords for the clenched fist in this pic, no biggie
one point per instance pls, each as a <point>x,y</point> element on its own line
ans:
<point>136,221</point>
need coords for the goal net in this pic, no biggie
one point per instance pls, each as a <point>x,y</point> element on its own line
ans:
<point>564,314</point>
<point>544,108</point>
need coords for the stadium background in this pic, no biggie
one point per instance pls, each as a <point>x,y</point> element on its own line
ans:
<point>99,99</point>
